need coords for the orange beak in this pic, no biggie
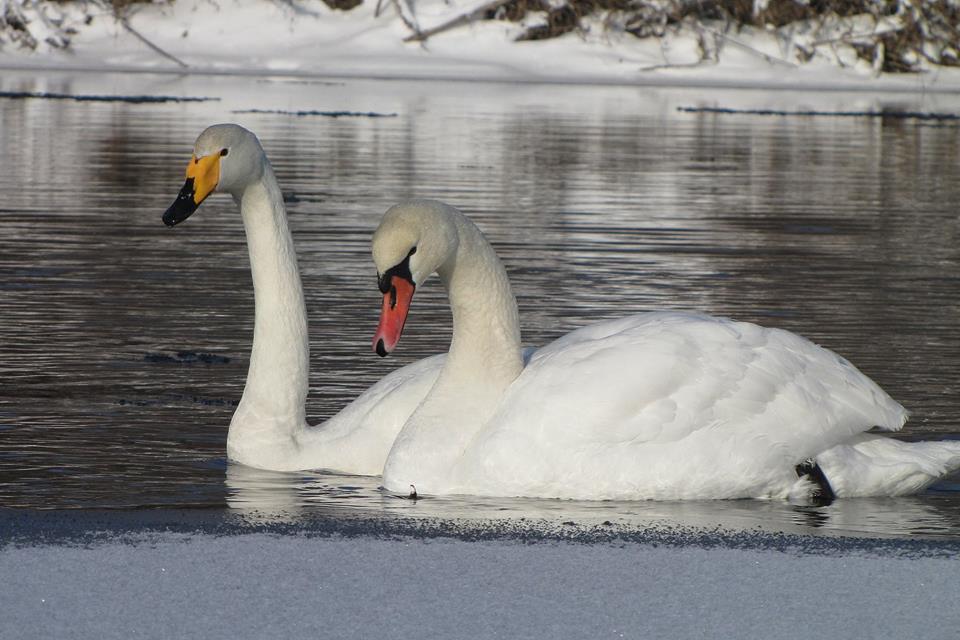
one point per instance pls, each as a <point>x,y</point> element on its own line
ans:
<point>396,304</point>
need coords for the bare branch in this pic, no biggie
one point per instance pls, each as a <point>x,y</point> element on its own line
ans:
<point>766,56</point>
<point>143,39</point>
<point>462,19</point>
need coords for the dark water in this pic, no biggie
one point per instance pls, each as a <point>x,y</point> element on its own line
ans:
<point>124,344</point>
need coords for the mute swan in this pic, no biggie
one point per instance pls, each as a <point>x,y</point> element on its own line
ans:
<point>269,428</point>
<point>660,405</point>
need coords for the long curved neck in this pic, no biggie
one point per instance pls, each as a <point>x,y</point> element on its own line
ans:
<point>276,390</point>
<point>484,359</point>
<point>485,349</point>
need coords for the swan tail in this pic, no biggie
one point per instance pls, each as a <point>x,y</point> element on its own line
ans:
<point>876,465</point>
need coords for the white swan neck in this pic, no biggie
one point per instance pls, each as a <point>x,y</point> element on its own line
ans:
<point>484,359</point>
<point>274,397</point>
<point>485,348</point>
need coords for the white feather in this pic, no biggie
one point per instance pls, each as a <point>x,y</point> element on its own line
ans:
<point>660,405</point>
<point>269,428</point>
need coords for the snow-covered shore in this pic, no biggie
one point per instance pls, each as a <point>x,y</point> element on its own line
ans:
<point>307,38</point>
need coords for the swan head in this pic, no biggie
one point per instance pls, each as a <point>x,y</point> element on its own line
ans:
<point>226,157</point>
<point>414,240</point>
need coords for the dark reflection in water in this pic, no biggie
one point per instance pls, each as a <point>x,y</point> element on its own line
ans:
<point>124,345</point>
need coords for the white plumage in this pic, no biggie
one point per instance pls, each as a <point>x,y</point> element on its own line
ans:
<point>661,405</point>
<point>269,428</point>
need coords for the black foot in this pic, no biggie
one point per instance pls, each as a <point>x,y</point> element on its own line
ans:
<point>823,494</point>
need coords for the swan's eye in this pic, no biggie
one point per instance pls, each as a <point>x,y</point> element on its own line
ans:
<point>224,152</point>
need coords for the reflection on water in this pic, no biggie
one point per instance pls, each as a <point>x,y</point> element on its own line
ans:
<point>276,497</point>
<point>124,345</point>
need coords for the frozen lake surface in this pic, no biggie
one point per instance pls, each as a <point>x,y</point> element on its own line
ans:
<point>292,586</point>
<point>124,345</point>
<point>221,574</point>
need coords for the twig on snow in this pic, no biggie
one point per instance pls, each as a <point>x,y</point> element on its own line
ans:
<point>766,56</point>
<point>466,18</point>
<point>144,40</point>
<point>405,11</point>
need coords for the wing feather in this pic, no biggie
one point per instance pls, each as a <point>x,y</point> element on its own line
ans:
<point>649,399</point>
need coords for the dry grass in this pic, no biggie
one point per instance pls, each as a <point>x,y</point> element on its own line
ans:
<point>904,33</point>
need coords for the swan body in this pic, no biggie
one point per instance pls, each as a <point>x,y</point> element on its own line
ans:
<point>660,405</point>
<point>269,428</point>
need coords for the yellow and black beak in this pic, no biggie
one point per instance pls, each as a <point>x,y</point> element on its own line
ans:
<point>203,174</point>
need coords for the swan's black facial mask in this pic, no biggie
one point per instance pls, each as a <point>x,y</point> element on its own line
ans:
<point>203,174</point>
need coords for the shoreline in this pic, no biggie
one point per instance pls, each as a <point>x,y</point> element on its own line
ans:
<point>26,528</point>
<point>879,87</point>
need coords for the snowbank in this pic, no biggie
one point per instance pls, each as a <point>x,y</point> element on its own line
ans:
<point>308,38</point>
